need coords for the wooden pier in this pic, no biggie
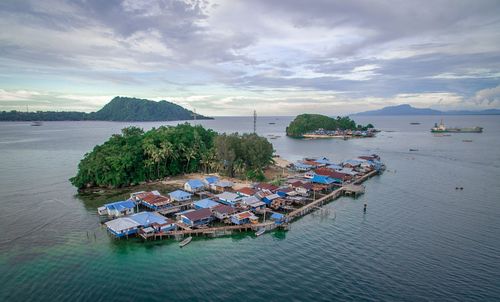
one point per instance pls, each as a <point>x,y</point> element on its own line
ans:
<point>327,198</point>
<point>211,232</point>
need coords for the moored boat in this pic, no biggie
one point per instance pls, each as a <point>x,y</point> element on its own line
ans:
<point>441,128</point>
<point>260,232</point>
<point>185,242</point>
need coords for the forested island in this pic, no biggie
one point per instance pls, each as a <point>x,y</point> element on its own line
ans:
<point>135,156</point>
<point>118,109</point>
<point>307,123</point>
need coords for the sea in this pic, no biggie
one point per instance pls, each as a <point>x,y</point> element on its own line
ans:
<point>420,239</point>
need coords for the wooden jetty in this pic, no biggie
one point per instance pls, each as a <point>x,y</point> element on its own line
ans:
<point>211,232</point>
<point>353,190</point>
<point>327,198</point>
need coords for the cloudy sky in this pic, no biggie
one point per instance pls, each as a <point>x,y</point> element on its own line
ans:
<point>231,57</point>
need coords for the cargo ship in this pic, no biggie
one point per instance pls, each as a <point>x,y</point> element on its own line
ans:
<point>441,128</point>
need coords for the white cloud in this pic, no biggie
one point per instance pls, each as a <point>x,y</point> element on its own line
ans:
<point>489,96</point>
<point>18,95</point>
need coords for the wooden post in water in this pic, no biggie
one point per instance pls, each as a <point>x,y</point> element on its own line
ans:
<point>364,208</point>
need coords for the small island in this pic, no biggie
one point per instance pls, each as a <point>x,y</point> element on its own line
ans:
<point>135,156</point>
<point>119,109</point>
<point>322,126</point>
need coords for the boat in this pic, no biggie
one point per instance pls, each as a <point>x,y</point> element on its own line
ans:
<point>185,242</point>
<point>413,150</point>
<point>467,140</point>
<point>441,128</point>
<point>36,123</point>
<point>272,123</point>
<point>414,123</point>
<point>260,232</point>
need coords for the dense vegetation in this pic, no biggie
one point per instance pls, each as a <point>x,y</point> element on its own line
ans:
<point>135,156</point>
<point>242,155</point>
<point>133,109</point>
<point>118,109</point>
<point>309,122</point>
<point>43,116</point>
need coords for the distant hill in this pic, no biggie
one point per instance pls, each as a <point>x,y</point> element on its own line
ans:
<point>406,109</point>
<point>132,109</point>
<point>118,109</point>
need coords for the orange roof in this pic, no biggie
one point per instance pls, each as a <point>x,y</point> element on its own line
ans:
<point>247,191</point>
<point>154,199</point>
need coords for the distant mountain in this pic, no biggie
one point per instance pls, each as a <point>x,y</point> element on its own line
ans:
<point>118,109</point>
<point>133,109</point>
<point>406,109</point>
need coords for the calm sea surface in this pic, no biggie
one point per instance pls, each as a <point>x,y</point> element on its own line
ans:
<point>420,240</point>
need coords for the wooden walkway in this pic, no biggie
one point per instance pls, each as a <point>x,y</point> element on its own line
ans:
<point>215,231</point>
<point>325,199</point>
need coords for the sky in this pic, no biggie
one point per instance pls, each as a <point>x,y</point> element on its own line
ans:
<point>232,57</point>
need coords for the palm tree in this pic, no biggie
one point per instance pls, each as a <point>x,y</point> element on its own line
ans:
<point>239,167</point>
<point>167,150</point>
<point>189,155</point>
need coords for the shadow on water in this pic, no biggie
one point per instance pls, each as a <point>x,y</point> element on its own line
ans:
<point>279,234</point>
<point>92,199</point>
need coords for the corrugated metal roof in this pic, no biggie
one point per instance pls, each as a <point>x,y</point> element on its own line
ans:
<point>247,191</point>
<point>120,205</point>
<point>224,209</point>
<point>211,179</point>
<point>206,203</point>
<point>195,183</point>
<point>199,214</point>
<point>147,218</point>
<point>228,196</point>
<point>121,224</point>
<point>179,194</point>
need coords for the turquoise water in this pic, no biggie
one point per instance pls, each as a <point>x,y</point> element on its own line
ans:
<point>420,240</point>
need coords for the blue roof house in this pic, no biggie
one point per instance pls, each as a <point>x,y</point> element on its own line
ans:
<point>278,218</point>
<point>118,209</point>
<point>154,220</point>
<point>269,198</point>
<point>146,219</point>
<point>324,180</point>
<point>122,227</point>
<point>210,180</point>
<point>206,203</point>
<point>194,185</point>
<point>179,195</point>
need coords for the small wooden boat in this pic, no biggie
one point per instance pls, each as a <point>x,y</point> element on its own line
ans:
<point>414,123</point>
<point>260,232</point>
<point>36,123</point>
<point>413,150</point>
<point>185,241</point>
